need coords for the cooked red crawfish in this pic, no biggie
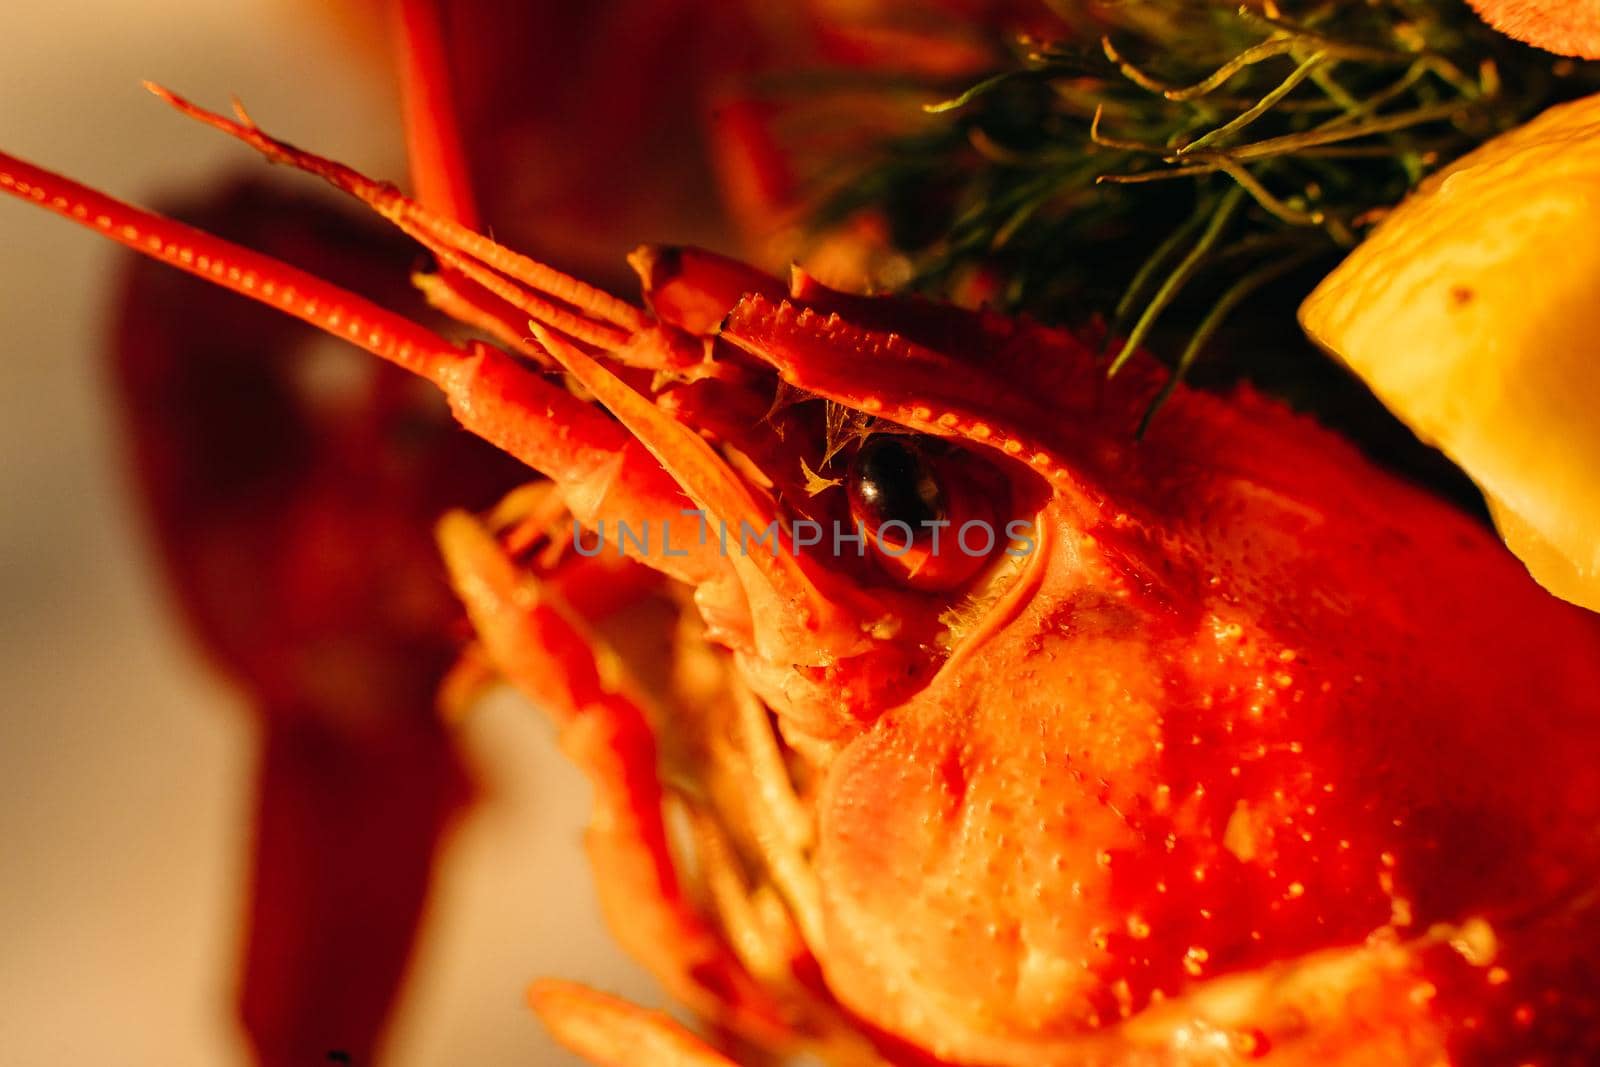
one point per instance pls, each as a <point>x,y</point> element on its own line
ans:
<point>1258,754</point>
<point>308,576</point>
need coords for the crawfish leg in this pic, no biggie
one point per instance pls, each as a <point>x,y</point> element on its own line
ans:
<point>344,842</point>
<point>612,1033</point>
<point>356,779</point>
<point>544,651</point>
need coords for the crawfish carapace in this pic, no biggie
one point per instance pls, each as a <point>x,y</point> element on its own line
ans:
<point>1209,745</point>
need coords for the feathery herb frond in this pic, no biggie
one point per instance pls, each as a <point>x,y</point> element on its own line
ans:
<point>1165,160</point>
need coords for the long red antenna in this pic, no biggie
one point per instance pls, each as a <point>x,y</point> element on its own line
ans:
<point>440,176</point>
<point>492,395</point>
<point>262,278</point>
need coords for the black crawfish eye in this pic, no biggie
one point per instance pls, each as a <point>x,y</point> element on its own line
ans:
<point>930,522</point>
<point>891,481</point>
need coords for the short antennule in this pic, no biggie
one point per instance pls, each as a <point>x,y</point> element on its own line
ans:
<point>601,471</point>
<point>607,316</point>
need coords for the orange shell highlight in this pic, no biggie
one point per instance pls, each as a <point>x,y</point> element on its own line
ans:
<point>1566,27</point>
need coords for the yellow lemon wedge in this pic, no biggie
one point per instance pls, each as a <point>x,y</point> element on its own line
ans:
<point>1473,312</point>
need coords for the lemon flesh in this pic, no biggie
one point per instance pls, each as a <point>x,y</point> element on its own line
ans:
<point>1473,312</point>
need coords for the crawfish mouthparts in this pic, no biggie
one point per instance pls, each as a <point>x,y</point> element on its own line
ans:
<point>1256,753</point>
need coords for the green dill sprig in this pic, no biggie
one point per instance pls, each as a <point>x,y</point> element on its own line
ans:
<point>1164,161</point>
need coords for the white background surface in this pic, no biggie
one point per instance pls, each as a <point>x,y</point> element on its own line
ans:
<point>125,766</point>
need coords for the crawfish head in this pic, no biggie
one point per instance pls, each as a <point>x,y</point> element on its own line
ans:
<point>1234,697</point>
<point>1186,730</point>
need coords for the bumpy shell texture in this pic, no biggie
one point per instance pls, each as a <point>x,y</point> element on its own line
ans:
<point>1566,27</point>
